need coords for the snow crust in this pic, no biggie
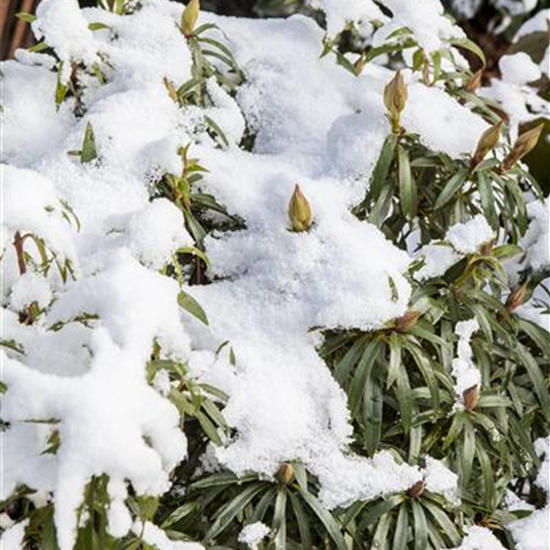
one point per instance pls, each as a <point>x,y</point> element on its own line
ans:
<point>533,531</point>
<point>253,534</point>
<point>12,537</point>
<point>465,372</point>
<point>460,240</point>
<point>480,538</point>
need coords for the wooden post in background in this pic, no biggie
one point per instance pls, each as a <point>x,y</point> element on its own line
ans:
<point>14,33</point>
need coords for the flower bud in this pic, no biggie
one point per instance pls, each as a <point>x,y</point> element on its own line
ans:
<point>359,65</point>
<point>517,297</point>
<point>171,89</point>
<point>299,211</point>
<point>395,98</point>
<point>189,17</point>
<point>407,321</point>
<point>417,489</point>
<point>474,82</point>
<point>285,474</point>
<point>524,144</point>
<point>470,397</point>
<point>487,142</point>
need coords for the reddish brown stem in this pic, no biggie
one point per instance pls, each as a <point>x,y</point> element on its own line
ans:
<point>18,243</point>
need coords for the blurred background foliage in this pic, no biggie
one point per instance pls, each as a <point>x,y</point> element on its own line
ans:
<point>490,23</point>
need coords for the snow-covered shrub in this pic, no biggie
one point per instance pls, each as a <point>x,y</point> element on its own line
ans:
<point>261,289</point>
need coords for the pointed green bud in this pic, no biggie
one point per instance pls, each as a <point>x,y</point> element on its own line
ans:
<point>299,211</point>
<point>395,98</point>
<point>189,17</point>
<point>524,144</point>
<point>487,142</point>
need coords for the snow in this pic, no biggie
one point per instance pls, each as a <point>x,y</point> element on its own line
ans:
<point>460,240</point>
<point>480,538</point>
<point>437,259</point>
<point>155,233</point>
<point>425,19</point>
<point>271,290</point>
<point>340,14</point>
<point>62,26</point>
<point>155,537</point>
<point>253,534</point>
<point>30,288</point>
<point>518,69</point>
<point>12,537</point>
<point>466,374</point>
<point>468,237</point>
<point>440,479</point>
<point>536,241</point>
<point>533,531</point>
<point>442,123</point>
<point>516,7</point>
<point>537,23</point>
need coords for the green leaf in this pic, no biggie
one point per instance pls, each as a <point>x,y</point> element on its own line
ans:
<point>279,519</point>
<point>302,521</point>
<point>61,88</point>
<point>471,46</point>
<point>506,251</point>
<point>426,367</point>
<point>209,428</point>
<point>487,200</point>
<point>442,519</point>
<point>467,453</point>
<point>420,527</point>
<point>187,302</point>
<point>395,360</point>
<point>230,511</point>
<point>326,518</point>
<point>179,513</point>
<point>453,185</point>
<point>486,475</point>
<point>263,504</point>
<point>88,152</point>
<point>27,17</point>
<point>537,378</point>
<point>361,375</point>
<point>404,398</point>
<point>407,185</point>
<point>374,513</point>
<point>382,168</point>
<point>401,533</point>
<point>98,26</point>
<point>380,539</point>
<point>373,401</point>
<point>217,130</point>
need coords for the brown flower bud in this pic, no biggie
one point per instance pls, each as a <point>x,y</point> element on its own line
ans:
<point>487,142</point>
<point>359,64</point>
<point>407,321</point>
<point>517,297</point>
<point>417,489</point>
<point>171,89</point>
<point>474,82</point>
<point>299,211</point>
<point>189,17</point>
<point>525,143</point>
<point>395,98</point>
<point>285,474</point>
<point>470,397</point>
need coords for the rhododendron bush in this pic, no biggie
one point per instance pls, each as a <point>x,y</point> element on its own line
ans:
<point>271,283</point>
